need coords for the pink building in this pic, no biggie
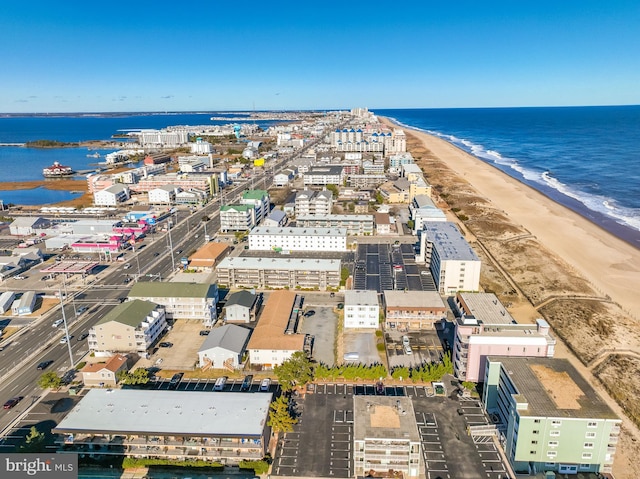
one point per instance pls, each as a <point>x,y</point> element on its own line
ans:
<point>112,244</point>
<point>484,328</point>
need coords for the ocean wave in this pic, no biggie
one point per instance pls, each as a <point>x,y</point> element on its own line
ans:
<point>601,204</point>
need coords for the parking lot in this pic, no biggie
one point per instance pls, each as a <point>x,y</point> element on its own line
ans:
<point>326,421</point>
<point>383,267</point>
<point>186,341</point>
<point>426,346</point>
<point>322,326</point>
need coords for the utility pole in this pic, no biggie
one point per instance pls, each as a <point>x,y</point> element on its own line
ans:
<point>66,327</point>
<point>173,261</point>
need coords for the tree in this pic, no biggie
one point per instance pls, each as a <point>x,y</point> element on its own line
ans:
<point>344,275</point>
<point>297,370</point>
<point>280,420</point>
<point>33,441</point>
<point>50,380</point>
<point>379,198</point>
<point>333,189</point>
<point>139,376</point>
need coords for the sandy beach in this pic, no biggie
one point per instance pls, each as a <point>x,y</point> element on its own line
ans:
<point>543,259</point>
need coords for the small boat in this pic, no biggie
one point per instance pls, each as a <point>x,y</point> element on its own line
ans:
<point>93,155</point>
<point>57,170</point>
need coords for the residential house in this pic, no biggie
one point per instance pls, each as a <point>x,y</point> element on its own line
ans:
<point>224,347</point>
<point>104,374</point>
<point>242,306</point>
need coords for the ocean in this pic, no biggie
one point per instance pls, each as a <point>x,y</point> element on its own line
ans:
<point>586,158</point>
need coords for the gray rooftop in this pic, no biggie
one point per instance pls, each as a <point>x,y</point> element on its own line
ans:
<point>424,201</point>
<point>563,380</point>
<point>414,299</point>
<point>230,337</point>
<point>381,417</point>
<point>243,298</point>
<point>359,297</point>
<point>448,241</point>
<point>486,308</point>
<point>324,170</point>
<point>280,264</point>
<point>335,218</point>
<point>188,413</point>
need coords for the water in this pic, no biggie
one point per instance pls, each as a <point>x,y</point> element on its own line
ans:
<point>26,164</point>
<point>583,157</point>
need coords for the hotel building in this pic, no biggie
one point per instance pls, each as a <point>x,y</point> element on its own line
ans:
<point>298,239</point>
<point>354,224</point>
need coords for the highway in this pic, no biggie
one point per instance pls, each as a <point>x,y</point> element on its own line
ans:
<point>40,340</point>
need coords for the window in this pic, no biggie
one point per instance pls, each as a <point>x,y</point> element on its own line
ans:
<point>585,466</point>
<point>553,443</point>
<point>592,424</point>
<point>534,442</point>
<point>533,452</point>
<point>554,433</point>
<point>535,431</point>
<point>537,421</point>
<point>586,455</point>
<point>556,422</point>
<point>552,453</point>
<point>588,445</point>
<point>590,435</point>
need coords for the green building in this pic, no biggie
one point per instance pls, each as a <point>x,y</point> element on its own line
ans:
<point>549,417</point>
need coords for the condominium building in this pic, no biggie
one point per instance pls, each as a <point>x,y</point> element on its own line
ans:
<point>180,300</point>
<point>226,427</point>
<point>163,195</point>
<point>396,161</point>
<point>423,209</point>
<point>361,309</point>
<point>324,175</point>
<point>259,200</point>
<point>111,196</point>
<point>549,417</point>
<point>413,310</point>
<point>205,181</point>
<point>298,239</point>
<point>309,202</point>
<point>386,437</point>
<point>484,327</point>
<point>274,340</point>
<point>237,218</point>
<point>453,263</point>
<point>163,138</point>
<point>253,272</point>
<point>367,180</point>
<point>130,327</point>
<point>354,224</point>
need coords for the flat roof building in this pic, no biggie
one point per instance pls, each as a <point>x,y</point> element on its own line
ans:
<point>354,224</point>
<point>212,426</point>
<point>413,310</point>
<point>298,239</point>
<point>361,309</point>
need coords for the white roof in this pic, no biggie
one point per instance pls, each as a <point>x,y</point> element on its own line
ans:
<point>195,413</point>
<point>359,297</point>
<point>296,264</point>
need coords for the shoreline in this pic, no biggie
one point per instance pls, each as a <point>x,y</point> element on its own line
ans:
<point>607,261</point>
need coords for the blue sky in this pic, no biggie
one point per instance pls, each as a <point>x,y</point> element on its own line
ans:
<point>71,56</point>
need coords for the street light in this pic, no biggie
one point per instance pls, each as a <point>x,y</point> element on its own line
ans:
<point>66,327</point>
<point>173,261</point>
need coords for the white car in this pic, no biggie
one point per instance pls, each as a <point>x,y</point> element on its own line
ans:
<point>19,277</point>
<point>405,340</point>
<point>57,323</point>
<point>64,339</point>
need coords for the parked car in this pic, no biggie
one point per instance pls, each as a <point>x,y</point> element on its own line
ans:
<point>12,402</point>
<point>408,350</point>
<point>44,364</point>
<point>165,344</point>
<point>175,380</point>
<point>264,385</point>
<point>405,340</point>
<point>246,383</point>
<point>220,383</point>
<point>205,332</point>
<point>310,313</point>
<point>19,277</point>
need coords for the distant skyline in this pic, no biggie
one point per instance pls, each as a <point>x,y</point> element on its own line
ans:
<point>76,56</point>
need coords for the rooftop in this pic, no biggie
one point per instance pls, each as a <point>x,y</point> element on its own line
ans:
<point>325,170</point>
<point>188,413</point>
<point>486,308</point>
<point>208,254</point>
<point>272,324</point>
<point>298,231</point>
<point>335,218</point>
<point>254,194</point>
<point>131,313</point>
<point>172,290</point>
<point>381,417</point>
<point>413,299</point>
<point>358,297</point>
<point>113,364</point>
<point>229,336</point>
<point>552,387</point>
<point>448,241</point>
<point>280,264</point>
<point>243,298</point>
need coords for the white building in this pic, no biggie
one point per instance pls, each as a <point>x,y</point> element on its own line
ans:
<point>237,218</point>
<point>224,347</point>
<point>163,195</point>
<point>453,263</point>
<point>309,202</point>
<point>422,209</point>
<point>163,138</point>
<point>298,239</point>
<point>324,175</point>
<point>283,178</point>
<point>361,309</point>
<point>260,201</point>
<point>201,147</point>
<point>28,225</point>
<point>355,224</point>
<point>111,196</point>
<point>6,300</point>
<point>25,304</point>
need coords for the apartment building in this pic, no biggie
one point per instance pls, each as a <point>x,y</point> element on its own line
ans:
<point>484,328</point>
<point>273,340</point>
<point>549,417</point>
<point>111,196</point>
<point>361,309</point>
<point>163,138</point>
<point>237,218</point>
<point>309,202</point>
<point>206,182</point>
<point>163,195</point>
<point>367,180</point>
<point>422,209</point>
<point>452,262</point>
<point>413,310</point>
<point>251,272</point>
<point>354,224</point>
<point>386,437</point>
<point>180,300</point>
<point>130,327</point>
<point>259,200</point>
<point>324,175</point>
<point>396,161</point>
<point>226,427</point>
<point>298,239</point>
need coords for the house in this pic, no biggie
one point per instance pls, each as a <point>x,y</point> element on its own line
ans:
<point>274,340</point>
<point>383,224</point>
<point>242,306</point>
<point>206,258</point>
<point>283,178</point>
<point>104,373</point>
<point>224,347</point>
<point>28,225</point>
<point>180,300</point>
<point>112,195</point>
<point>163,195</point>
<point>226,427</point>
<point>549,417</point>
<point>275,219</point>
<point>131,327</point>
<point>484,328</point>
<point>361,309</point>
<point>25,304</point>
<point>413,310</point>
<point>452,262</point>
<point>386,437</point>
